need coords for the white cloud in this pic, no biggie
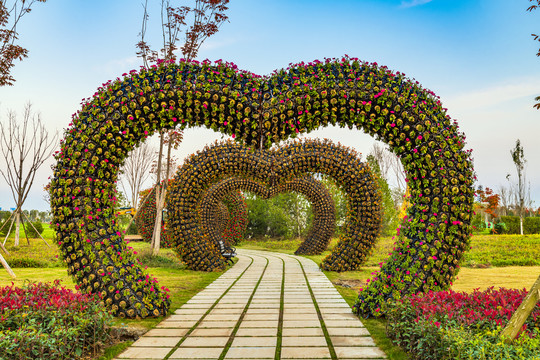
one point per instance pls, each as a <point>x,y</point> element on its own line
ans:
<point>496,95</point>
<point>411,3</point>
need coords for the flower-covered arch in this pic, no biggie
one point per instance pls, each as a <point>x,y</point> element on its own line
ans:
<point>192,196</point>
<point>233,217</point>
<point>259,111</point>
<point>322,204</point>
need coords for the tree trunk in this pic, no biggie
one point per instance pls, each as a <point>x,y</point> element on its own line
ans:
<point>17,227</point>
<point>297,215</point>
<point>6,266</point>
<point>157,233</point>
<point>521,224</point>
<point>160,199</point>
<point>156,237</point>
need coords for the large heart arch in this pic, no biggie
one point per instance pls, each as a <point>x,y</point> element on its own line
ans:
<point>258,112</point>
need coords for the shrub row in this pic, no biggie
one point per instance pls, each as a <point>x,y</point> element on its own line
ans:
<point>47,321</point>
<point>510,225</point>
<point>455,325</point>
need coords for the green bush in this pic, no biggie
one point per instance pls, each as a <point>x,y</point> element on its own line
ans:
<point>510,225</point>
<point>132,229</point>
<point>26,262</point>
<point>464,344</point>
<point>31,232</point>
<point>532,225</point>
<point>5,227</point>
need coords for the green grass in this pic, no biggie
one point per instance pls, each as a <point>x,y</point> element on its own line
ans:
<point>114,350</point>
<point>517,277</point>
<point>503,250</point>
<point>36,254</point>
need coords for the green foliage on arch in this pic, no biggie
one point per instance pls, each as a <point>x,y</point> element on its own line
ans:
<point>259,111</point>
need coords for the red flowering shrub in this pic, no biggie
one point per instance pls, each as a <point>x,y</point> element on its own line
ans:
<point>435,324</point>
<point>48,321</point>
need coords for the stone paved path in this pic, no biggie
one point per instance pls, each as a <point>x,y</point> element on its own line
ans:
<point>267,306</point>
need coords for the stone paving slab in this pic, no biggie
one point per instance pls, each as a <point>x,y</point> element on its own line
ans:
<point>245,314</point>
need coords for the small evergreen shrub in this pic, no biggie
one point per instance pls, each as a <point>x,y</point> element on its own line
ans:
<point>31,232</point>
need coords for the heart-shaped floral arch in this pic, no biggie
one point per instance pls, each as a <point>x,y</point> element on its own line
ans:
<point>192,196</point>
<point>232,219</point>
<point>322,205</point>
<point>259,111</point>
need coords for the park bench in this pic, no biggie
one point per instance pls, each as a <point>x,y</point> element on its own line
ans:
<point>227,252</point>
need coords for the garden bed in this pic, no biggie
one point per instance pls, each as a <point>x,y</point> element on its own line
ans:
<point>48,321</point>
<point>456,325</point>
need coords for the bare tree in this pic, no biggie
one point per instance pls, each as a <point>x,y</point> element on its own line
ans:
<point>9,51</point>
<point>389,163</point>
<point>504,194</point>
<point>520,189</point>
<point>172,139</point>
<point>25,146</point>
<point>383,158</point>
<point>172,163</point>
<point>207,17</point>
<point>136,170</point>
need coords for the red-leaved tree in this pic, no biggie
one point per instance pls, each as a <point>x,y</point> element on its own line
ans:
<point>10,16</point>
<point>489,199</point>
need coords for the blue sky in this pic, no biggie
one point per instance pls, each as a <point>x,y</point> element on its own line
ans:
<point>478,56</point>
